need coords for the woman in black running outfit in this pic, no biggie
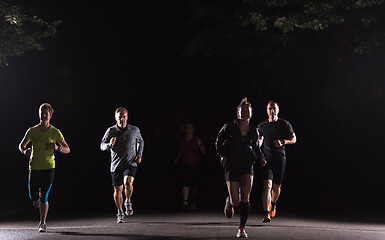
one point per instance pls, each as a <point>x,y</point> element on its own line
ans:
<point>238,149</point>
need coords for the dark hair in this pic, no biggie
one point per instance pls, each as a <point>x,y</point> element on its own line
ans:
<point>244,102</point>
<point>272,102</point>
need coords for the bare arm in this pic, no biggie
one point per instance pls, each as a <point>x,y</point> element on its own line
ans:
<point>201,146</point>
<point>291,140</point>
<point>176,160</point>
<point>64,148</point>
<point>23,147</point>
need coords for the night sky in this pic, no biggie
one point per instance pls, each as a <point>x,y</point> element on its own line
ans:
<point>112,54</point>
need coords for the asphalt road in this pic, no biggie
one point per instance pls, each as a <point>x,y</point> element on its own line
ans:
<point>197,225</point>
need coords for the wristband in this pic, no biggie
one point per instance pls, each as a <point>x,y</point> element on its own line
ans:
<point>283,142</point>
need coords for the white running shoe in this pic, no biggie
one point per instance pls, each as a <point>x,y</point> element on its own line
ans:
<point>42,227</point>
<point>228,210</point>
<point>120,218</point>
<point>242,233</point>
<point>128,206</point>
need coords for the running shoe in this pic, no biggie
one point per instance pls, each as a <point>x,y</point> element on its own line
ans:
<point>185,205</point>
<point>242,233</point>
<point>267,218</point>
<point>42,227</point>
<point>36,204</point>
<point>229,210</point>
<point>193,206</point>
<point>128,205</point>
<point>273,210</point>
<point>120,218</point>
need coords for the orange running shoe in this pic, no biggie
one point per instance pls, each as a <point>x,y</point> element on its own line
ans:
<point>267,218</point>
<point>273,210</point>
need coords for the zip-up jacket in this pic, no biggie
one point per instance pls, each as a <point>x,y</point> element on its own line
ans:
<point>241,151</point>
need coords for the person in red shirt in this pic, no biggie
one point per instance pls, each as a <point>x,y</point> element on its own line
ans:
<point>190,149</point>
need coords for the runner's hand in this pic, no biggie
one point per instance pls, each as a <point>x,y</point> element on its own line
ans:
<point>262,162</point>
<point>54,146</point>
<point>224,160</point>
<point>277,143</point>
<point>138,159</point>
<point>112,141</point>
<point>27,152</point>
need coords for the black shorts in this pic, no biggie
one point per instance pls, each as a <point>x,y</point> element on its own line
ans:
<point>275,167</point>
<point>118,176</point>
<point>189,175</point>
<point>234,175</point>
<point>40,179</point>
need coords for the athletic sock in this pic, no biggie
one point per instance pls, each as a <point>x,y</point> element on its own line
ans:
<point>273,204</point>
<point>244,209</point>
<point>267,213</point>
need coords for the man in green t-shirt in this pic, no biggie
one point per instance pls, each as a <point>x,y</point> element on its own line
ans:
<point>43,138</point>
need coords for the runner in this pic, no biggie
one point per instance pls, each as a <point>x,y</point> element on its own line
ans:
<point>275,134</point>
<point>190,148</point>
<point>238,149</point>
<point>44,139</point>
<point>126,146</point>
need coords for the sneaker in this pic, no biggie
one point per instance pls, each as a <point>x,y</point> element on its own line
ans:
<point>42,227</point>
<point>273,210</point>
<point>185,205</point>
<point>36,204</point>
<point>229,210</point>
<point>267,218</point>
<point>128,205</point>
<point>242,233</point>
<point>120,218</point>
<point>193,206</point>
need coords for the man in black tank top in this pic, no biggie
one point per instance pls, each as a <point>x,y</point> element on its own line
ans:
<point>275,133</point>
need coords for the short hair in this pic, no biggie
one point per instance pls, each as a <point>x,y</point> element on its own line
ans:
<point>48,107</point>
<point>272,102</point>
<point>244,102</point>
<point>121,109</point>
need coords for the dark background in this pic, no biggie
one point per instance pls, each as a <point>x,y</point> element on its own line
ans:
<point>107,55</point>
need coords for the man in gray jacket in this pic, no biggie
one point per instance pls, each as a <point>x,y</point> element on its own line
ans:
<point>126,146</point>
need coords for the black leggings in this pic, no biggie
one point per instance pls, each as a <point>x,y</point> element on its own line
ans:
<point>40,179</point>
<point>189,175</point>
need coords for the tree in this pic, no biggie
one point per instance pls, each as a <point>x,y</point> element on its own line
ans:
<point>20,32</point>
<point>242,30</point>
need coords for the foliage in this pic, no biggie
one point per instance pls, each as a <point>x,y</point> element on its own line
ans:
<point>20,32</point>
<point>240,30</point>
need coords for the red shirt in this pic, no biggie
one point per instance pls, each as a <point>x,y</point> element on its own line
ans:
<point>190,151</point>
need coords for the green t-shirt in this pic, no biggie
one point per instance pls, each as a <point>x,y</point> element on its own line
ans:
<point>42,156</point>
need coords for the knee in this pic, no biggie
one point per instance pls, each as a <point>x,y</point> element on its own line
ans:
<point>129,181</point>
<point>267,185</point>
<point>276,187</point>
<point>129,184</point>
<point>118,189</point>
